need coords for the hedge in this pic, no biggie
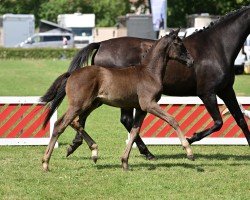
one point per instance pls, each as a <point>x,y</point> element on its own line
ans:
<point>37,53</point>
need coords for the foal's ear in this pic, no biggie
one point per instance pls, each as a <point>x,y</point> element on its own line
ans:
<point>174,33</point>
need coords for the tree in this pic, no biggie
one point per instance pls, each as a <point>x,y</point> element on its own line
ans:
<point>179,9</point>
<point>107,11</point>
<point>21,7</point>
<point>51,9</point>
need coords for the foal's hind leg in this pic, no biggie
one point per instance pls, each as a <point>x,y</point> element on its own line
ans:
<point>127,120</point>
<point>76,124</point>
<point>230,100</point>
<point>156,110</point>
<point>139,116</point>
<point>79,137</point>
<point>60,126</point>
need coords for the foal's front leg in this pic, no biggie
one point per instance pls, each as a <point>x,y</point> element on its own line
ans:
<point>156,110</point>
<point>139,117</point>
<point>127,121</point>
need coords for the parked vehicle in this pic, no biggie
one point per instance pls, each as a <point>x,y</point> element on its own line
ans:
<point>240,62</point>
<point>81,25</point>
<point>48,39</point>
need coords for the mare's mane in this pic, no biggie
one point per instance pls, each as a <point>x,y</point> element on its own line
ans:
<point>221,19</point>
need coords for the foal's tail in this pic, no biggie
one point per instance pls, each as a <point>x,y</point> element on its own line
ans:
<point>82,56</point>
<point>55,95</point>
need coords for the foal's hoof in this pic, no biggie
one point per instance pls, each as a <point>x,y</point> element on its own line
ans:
<point>94,155</point>
<point>124,164</point>
<point>191,157</point>
<point>94,158</point>
<point>45,167</point>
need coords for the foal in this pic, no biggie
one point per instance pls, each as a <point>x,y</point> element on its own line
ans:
<point>132,87</point>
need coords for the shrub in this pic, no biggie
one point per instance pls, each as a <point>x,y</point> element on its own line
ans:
<point>37,53</point>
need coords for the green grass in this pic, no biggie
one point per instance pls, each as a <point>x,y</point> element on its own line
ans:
<point>219,172</point>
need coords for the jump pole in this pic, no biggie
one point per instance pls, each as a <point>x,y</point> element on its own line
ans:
<point>21,120</point>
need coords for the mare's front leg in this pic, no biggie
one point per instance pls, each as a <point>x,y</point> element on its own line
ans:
<point>228,96</point>
<point>127,120</point>
<point>155,109</point>
<point>134,133</point>
<point>210,103</point>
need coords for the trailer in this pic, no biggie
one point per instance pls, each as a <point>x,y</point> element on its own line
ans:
<point>15,28</point>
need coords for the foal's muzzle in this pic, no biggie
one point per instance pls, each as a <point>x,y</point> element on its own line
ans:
<point>189,61</point>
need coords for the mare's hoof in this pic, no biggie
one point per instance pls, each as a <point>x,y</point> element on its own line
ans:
<point>69,151</point>
<point>189,140</point>
<point>150,156</point>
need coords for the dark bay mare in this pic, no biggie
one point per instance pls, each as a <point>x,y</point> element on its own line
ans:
<point>137,87</point>
<point>214,50</point>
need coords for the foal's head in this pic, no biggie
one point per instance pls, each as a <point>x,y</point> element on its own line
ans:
<point>177,50</point>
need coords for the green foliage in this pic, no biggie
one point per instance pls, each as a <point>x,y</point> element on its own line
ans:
<point>51,9</point>
<point>107,11</point>
<point>36,53</point>
<point>179,9</point>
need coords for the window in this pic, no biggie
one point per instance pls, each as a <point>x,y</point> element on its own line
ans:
<point>82,31</point>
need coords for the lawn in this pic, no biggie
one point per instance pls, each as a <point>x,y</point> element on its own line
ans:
<point>219,172</point>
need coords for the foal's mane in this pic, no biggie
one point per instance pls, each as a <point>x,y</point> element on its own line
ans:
<point>222,19</point>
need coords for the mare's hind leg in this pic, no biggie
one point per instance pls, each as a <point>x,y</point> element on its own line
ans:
<point>134,133</point>
<point>127,120</point>
<point>79,137</point>
<point>156,110</point>
<point>210,103</point>
<point>230,100</point>
<point>60,126</point>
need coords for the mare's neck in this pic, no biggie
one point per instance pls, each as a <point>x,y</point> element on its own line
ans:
<point>232,32</point>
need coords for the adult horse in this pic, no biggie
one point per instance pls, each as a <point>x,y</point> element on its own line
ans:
<point>214,50</point>
<point>132,87</point>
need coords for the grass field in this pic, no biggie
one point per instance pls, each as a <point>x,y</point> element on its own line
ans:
<point>219,172</point>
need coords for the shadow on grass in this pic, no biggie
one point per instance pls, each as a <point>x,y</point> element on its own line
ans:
<point>206,156</point>
<point>150,166</point>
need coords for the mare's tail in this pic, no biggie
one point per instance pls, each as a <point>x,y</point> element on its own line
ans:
<point>55,95</point>
<point>82,56</point>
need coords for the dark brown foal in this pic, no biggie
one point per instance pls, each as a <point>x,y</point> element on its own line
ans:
<point>132,87</point>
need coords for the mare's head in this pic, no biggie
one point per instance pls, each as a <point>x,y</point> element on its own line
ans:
<point>176,49</point>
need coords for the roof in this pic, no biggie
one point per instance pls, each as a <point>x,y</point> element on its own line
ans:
<point>48,26</point>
